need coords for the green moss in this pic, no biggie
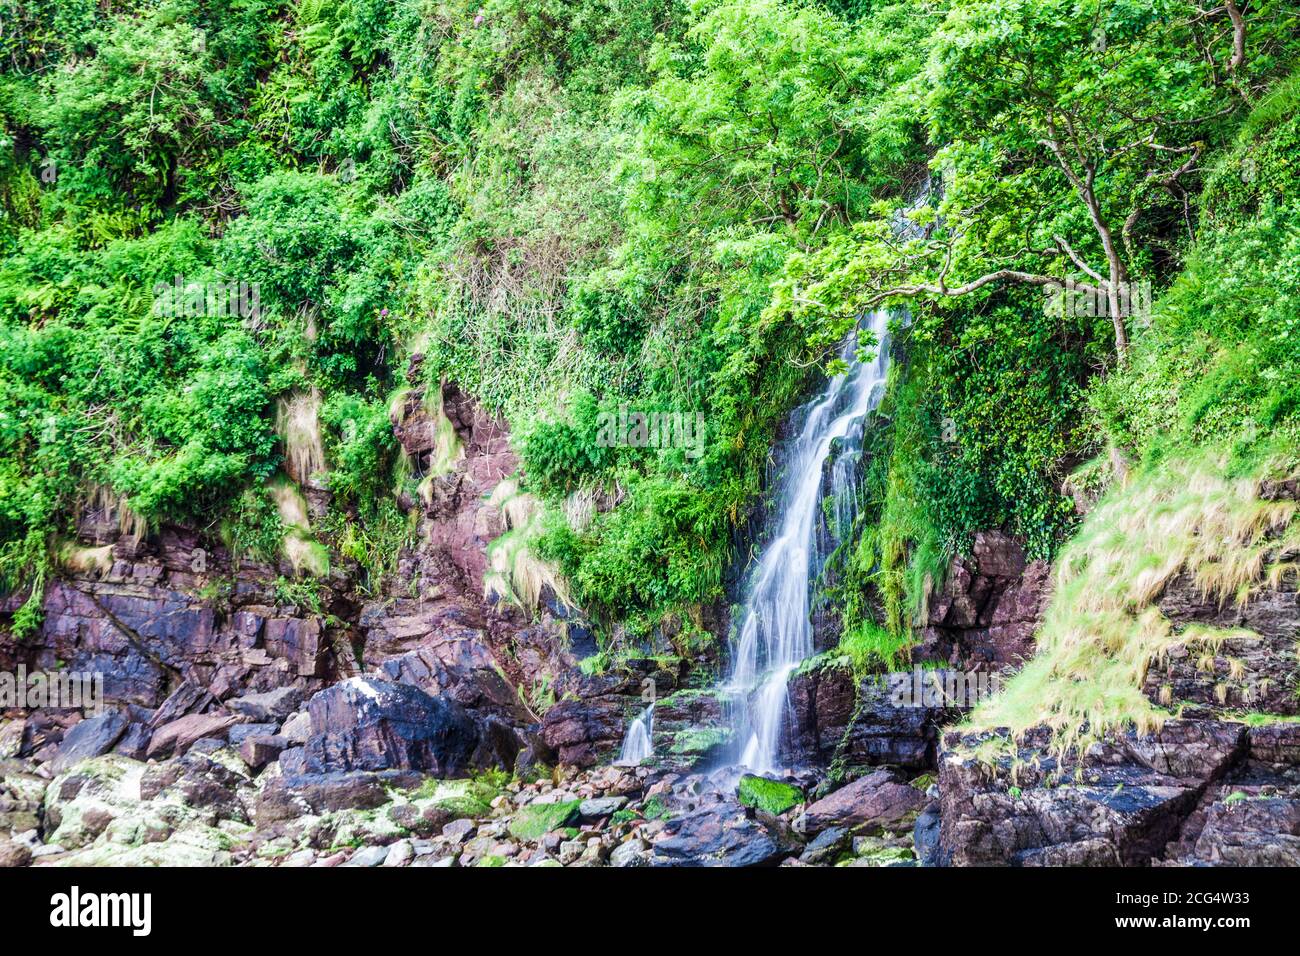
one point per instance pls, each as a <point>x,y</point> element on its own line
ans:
<point>700,740</point>
<point>536,820</point>
<point>654,809</point>
<point>492,861</point>
<point>770,796</point>
<point>460,798</point>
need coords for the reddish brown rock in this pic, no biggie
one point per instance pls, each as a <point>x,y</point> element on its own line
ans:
<point>179,735</point>
<point>985,614</point>
<point>876,801</point>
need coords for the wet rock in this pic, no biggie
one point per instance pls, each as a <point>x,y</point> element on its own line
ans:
<point>89,738</point>
<point>833,716</point>
<point>875,801</point>
<point>722,834</point>
<point>585,730</point>
<point>368,724</point>
<point>827,847</point>
<point>925,836</point>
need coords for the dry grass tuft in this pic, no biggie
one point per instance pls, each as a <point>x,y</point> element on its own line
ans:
<point>514,572</point>
<point>304,552</point>
<point>1103,630</point>
<point>297,421</point>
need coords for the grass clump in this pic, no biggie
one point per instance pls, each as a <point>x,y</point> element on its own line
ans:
<point>1199,516</point>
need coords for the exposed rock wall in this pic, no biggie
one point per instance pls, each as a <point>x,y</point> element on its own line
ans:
<point>184,633</point>
<point>985,614</point>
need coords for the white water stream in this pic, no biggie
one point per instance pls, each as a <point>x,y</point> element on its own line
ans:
<point>776,632</point>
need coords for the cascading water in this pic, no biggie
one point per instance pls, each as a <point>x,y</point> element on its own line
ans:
<point>638,742</point>
<point>776,630</point>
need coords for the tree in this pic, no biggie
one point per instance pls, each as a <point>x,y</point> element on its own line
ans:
<point>1069,136</point>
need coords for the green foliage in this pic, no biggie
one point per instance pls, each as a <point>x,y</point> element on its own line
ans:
<point>534,821</point>
<point>568,207</point>
<point>770,796</point>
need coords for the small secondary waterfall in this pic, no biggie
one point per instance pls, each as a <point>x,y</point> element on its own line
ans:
<point>776,631</point>
<point>638,742</point>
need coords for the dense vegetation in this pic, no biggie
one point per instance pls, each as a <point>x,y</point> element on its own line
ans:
<point>572,206</point>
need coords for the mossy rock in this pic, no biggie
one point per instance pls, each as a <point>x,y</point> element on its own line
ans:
<point>654,808</point>
<point>770,796</point>
<point>492,861</point>
<point>700,740</point>
<point>538,819</point>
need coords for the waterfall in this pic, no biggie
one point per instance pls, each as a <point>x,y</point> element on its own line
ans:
<point>776,630</point>
<point>638,742</point>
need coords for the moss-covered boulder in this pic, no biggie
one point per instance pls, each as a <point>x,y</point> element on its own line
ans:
<point>538,819</point>
<point>700,741</point>
<point>770,796</point>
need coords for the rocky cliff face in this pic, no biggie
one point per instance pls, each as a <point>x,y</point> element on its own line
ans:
<point>985,614</point>
<point>238,718</point>
<point>1219,785</point>
<point>182,631</point>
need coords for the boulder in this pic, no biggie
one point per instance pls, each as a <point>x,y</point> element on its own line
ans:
<point>827,847</point>
<point>532,822</point>
<point>13,853</point>
<point>290,796</point>
<point>722,834</point>
<point>925,836</point>
<point>89,738</point>
<point>596,808</point>
<point>876,801</point>
<point>271,705</point>
<point>770,796</point>
<point>21,795</point>
<point>367,724</point>
<point>181,734</point>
